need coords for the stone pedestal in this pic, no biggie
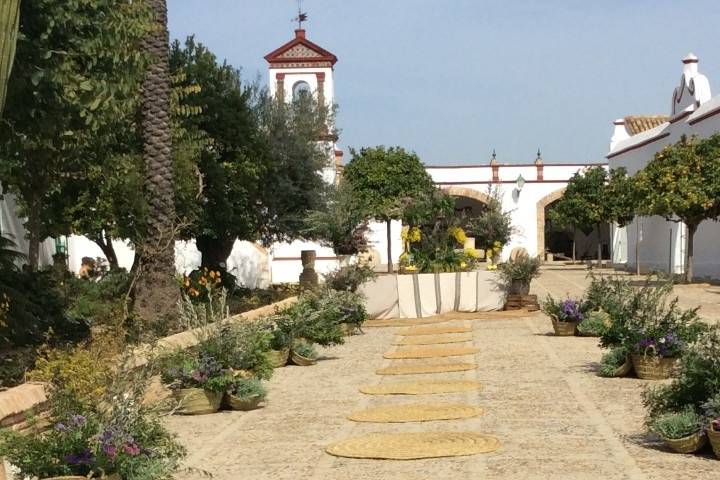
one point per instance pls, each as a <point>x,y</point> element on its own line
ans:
<point>308,277</point>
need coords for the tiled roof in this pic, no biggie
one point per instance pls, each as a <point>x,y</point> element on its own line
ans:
<point>635,124</point>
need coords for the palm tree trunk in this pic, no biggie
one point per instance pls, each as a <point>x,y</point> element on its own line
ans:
<point>9,23</point>
<point>156,291</point>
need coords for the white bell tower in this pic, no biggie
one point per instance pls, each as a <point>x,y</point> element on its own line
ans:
<point>303,66</point>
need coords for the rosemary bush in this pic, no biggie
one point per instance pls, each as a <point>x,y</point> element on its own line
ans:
<point>611,361</point>
<point>248,388</point>
<point>678,425</point>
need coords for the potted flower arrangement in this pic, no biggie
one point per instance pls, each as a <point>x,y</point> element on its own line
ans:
<point>303,354</point>
<point>615,363</point>
<point>281,327</point>
<point>681,431</point>
<point>245,394</point>
<point>654,356</point>
<point>565,315</point>
<point>124,440</point>
<point>198,382</point>
<point>713,434</point>
<point>711,410</point>
<point>518,273</point>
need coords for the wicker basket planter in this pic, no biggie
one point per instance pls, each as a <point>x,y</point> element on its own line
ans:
<point>650,367</point>
<point>714,437</point>
<point>278,358</point>
<point>690,444</point>
<point>624,369</point>
<point>243,404</point>
<point>298,359</point>
<point>564,329</point>
<point>114,476</point>
<point>196,401</point>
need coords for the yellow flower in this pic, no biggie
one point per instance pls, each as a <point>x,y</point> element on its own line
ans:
<point>497,249</point>
<point>472,253</point>
<point>463,265</point>
<point>212,274</point>
<point>497,244</point>
<point>414,235</point>
<point>488,253</point>
<point>410,268</point>
<point>459,235</point>
<point>404,233</point>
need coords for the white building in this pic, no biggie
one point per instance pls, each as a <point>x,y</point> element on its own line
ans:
<point>662,245</point>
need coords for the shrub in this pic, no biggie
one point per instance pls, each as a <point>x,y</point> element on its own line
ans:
<point>188,369</point>
<point>611,361</point>
<point>522,269</point>
<point>677,425</point>
<point>594,324</point>
<point>305,349</point>
<point>116,434</point>
<point>98,302</point>
<point>247,388</point>
<point>349,278</point>
<point>698,380</point>
<point>241,346</point>
<point>711,411</point>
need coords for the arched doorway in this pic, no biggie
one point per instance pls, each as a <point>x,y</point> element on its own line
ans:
<point>542,206</point>
<point>468,201</point>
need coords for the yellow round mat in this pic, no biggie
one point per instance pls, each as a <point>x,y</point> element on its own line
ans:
<point>408,332</point>
<point>404,322</point>
<point>435,339</point>
<point>415,369</point>
<point>410,446</point>
<point>431,352</point>
<point>416,413</point>
<point>422,387</point>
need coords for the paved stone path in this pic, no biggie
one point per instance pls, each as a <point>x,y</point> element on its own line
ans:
<point>556,419</point>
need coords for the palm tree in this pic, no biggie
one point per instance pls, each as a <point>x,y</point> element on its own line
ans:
<point>9,23</point>
<point>156,292</point>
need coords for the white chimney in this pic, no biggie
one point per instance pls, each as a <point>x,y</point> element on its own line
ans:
<point>620,133</point>
<point>690,65</point>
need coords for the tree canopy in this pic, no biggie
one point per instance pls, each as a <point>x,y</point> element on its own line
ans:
<point>382,178</point>
<point>682,183</point>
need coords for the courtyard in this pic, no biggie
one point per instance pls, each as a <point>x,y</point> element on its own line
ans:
<point>554,417</point>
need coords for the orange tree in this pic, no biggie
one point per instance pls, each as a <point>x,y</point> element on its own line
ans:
<point>682,184</point>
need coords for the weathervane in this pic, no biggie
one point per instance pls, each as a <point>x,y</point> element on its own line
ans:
<point>302,16</point>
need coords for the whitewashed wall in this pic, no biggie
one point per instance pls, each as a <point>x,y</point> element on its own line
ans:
<point>663,244</point>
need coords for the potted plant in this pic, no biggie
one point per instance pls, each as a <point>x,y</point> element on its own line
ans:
<point>615,363</point>
<point>711,409</point>
<point>245,394</point>
<point>282,337</point>
<point>303,354</point>
<point>713,433</point>
<point>654,357</point>
<point>594,324</point>
<point>681,431</point>
<point>565,315</point>
<point>122,442</point>
<point>518,273</point>
<point>197,381</point>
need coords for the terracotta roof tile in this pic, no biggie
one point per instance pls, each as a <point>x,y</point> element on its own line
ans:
<point>635,124</point>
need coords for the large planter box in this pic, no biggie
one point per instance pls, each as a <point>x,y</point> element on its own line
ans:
<point>428,294</point>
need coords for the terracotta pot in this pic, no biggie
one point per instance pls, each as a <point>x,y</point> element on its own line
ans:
<point>690,444</point>
<point>714,437</point>
<point>564,329</point>
<point>197,401</point>
<point>648,367</point>
<point>243,404</point>
<point>278,358</point>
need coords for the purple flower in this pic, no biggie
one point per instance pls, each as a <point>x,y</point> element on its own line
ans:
<point>109,449</point>
<point>61,427</point>
<point>78,420</point>
<point>131,449</point>
<point>84,458</point>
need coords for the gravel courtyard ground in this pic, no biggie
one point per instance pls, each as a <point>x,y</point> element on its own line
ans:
<point>555,418</point>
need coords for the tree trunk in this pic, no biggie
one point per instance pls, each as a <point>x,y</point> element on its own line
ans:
<point>573,245</point>
<point>215,251</point>
<point>33,226</point>
<point>692,228</point>
<point>106,245</point>
<point>388,224</point>
<point>9,23</point>
<point>599,247</point>
<point>156,290</point>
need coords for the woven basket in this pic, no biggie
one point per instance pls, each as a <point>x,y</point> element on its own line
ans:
<point>564,329</point>
<point>690,444</point>
<point>114,476</point>
<point>278,358</point>
<point>714,438</point>
<point>650,367</point>
<point>243,404</point>
<point>624,369</point>
<point>298,359</point>
<point>196,401</point>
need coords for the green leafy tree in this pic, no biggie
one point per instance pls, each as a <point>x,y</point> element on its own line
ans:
<point>682,184</point>
<point>584,204</point>
<point>75,79</point>
<point>9,23</point>
<point>382,178</point>
<point>262,170</point>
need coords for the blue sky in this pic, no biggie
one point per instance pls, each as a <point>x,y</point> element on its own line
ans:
<point>453,79</point>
